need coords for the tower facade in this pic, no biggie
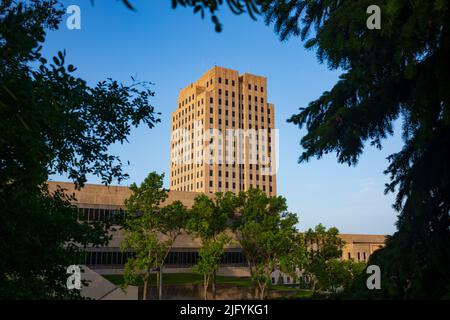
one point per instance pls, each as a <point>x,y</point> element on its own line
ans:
<point>222,135</point>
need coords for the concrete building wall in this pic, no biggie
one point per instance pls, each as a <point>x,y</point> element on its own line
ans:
<point>203,157</point>
<point>99,198</point>
<point>360,247</point>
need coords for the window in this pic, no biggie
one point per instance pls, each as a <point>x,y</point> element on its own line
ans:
<point>262,89</point>
<point>349,255</point>
<point>226,81</point>
<point>256,87</point>
<point>210,173</point>
<point>359,256</point>
<point>210,100</point>
<point>249,86</point>
<point>210,184</point>
<point>232,83</point>
<point>220,80</point>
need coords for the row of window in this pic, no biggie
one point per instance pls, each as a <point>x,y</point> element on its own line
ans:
<point>364,257</point>
<point>182,117</point>
<point>190,187</point>
<point>190,107</point>
<point>249,86</point>
<point>227,185</point>
<point>174,258</point>
<point>187,101</point>
<point>100,214</point>
<point>186,169</point>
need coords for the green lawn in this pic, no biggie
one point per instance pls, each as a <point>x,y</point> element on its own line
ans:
<point>184,278</point>
<point>193,278</point>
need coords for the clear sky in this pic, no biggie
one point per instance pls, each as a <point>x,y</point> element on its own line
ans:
<point>172,48</point>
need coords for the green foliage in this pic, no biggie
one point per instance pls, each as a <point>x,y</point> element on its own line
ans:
<point>52,122</point>
<point>323,254</point>
<point>267,235</point>
<point>399,70</point>
<point>209,220</point>
<point>202,6</point>
<point>337,275</point>
<point>212,216</point>
<point>209,258</point>
<point>150,228</point>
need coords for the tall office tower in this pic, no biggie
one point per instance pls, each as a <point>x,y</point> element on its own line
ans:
<point>223,136</point>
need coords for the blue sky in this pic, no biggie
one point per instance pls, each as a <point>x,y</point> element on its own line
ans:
<point>172,48</point>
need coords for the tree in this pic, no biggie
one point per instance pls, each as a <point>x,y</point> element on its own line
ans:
<point>398,70</point>
<point>267,235</point>
<point>150,230</point>
<point>324,263</point>
<point>209,221</point>
<point>210,253</point>
<point>324,248</point>
<point>52,122</point>
<point>172,220</point>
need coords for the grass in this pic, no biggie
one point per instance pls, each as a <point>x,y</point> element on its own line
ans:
<point>193,278</point>
<point>183,278</point>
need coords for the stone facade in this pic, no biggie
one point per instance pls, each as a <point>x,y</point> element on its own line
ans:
<point>109,260</point>
<point>222,135</point>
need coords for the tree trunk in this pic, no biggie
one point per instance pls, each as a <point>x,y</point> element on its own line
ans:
<point>160,282</point>
<point>205,287</point>
<point>213,284</point>
<point>157,284</point>
<point>144,295</point>
<point>263,292</point>
<point>261,289</point>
